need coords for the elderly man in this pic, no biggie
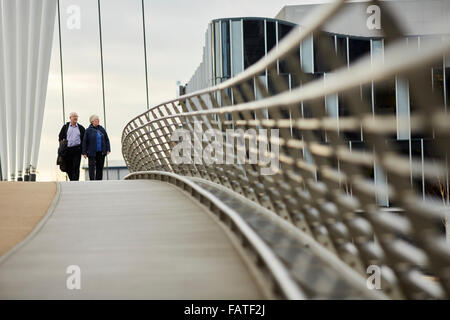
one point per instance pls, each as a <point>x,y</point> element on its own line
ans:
<point>73,132</point>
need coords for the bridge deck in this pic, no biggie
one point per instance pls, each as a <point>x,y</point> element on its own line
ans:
<point>132,240</point>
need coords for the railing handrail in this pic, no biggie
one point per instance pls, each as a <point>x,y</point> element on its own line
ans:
<point>330,185</point>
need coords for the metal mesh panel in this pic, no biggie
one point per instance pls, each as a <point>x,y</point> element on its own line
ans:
<point>342,176</point>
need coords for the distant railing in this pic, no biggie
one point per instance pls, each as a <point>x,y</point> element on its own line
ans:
<point>302,166</point>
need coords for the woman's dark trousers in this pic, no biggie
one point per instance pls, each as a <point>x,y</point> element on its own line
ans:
<point>96,166</point>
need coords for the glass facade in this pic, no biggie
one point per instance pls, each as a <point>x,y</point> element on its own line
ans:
<point>236,44</point>
<point>239,43</point>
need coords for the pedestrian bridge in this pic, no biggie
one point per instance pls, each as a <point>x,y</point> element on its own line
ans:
<point>131,240</point>
<point>167,238</point>
<point>298,210</point>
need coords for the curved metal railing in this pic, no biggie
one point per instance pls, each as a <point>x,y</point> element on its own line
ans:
<point>294,158</point>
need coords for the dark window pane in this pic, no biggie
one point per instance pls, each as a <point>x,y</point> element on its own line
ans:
<point>402,147</point>
<point>384,97</point>
<point>366,94</point>
<point>438,83</point>
<point>343,106</point>
<point>226,49</point>
<point>344,111</point>
<point>430,150</point>
<point>270,83</point>
<point>447,86</point>
<point>277,83</point>
<point>385,100</point>
<point>341,45</point>
<point>435,186</point>
<point>285,111</point>
<point>357,48</point>
<point>416,153</point>
<point>271,35</point>
<point>321,41</point>
<point>368,172</point>
<point>416,148</point>
<point>426,87</point>
<point>295,79</point>
<point>283,30</point>
<point>306,106</point>
<point>307,109</point>
<point>320,134</point>
<point>254,45</point>
<point>217,68</point>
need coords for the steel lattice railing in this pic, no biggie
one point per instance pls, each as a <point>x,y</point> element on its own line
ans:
<point>323,186</point>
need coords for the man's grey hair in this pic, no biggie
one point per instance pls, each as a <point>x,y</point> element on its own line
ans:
<point>93,117</point>
<point>73,114</point>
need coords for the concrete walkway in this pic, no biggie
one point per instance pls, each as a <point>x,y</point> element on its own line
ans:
<point>131,240</point>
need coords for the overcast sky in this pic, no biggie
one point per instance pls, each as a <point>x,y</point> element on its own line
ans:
<point>175,38</point>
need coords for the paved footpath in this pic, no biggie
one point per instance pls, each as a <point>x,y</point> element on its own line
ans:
<point>131,240</point>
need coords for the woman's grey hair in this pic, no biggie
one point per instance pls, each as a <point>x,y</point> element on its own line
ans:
<point>93,117</point>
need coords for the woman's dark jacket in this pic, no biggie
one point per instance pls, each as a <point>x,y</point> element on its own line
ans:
<point>89,145</point>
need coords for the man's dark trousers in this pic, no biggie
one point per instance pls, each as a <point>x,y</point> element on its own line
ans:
<point>96,166</point>
<point>73,159</point>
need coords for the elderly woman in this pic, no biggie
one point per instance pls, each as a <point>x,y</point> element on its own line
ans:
<point>95,147</point>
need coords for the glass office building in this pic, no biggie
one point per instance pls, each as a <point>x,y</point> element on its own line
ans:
<point>232,45</point>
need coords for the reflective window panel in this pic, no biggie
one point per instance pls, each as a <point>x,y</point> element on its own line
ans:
<point>226,54</point>
<point>236,47</point>
<point>254,42</point>
<point>321,64</point>
<point>357,48</point>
